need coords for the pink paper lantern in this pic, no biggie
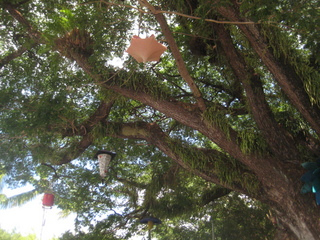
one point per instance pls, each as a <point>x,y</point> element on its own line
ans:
<point>145,49</point>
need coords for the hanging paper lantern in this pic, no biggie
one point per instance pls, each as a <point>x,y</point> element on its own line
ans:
<point>48,200</point>
<point>104,158</point>
<point>147,49</point>
<point>312,179</point>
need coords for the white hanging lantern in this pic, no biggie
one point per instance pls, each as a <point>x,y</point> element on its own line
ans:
<point>104,158</point>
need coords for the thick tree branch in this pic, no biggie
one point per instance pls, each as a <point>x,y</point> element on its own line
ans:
<point>185,113</point>
<point>203,166</point>
<point>271,178</point>
<point>192,117</point>
<point>279,140</point>
<point>286,76</point>
<point>279,184</point>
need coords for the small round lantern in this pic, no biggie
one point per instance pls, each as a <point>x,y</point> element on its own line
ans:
<point>48,200</point>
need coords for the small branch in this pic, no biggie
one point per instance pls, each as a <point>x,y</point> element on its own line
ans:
<point>55,171</point>
<point>14,55</point>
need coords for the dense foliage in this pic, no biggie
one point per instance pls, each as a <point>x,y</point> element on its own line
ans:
<point>232,106</point>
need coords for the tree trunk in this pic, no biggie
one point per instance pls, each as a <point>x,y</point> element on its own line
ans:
<point>297,215</point>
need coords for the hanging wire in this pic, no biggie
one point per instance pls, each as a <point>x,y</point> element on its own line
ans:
<point>43,221</point>
<point>45,208</point>
<point>44,217</point>
<point>139,23</point>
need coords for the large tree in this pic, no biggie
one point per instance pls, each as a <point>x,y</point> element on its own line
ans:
<point>234,100</point>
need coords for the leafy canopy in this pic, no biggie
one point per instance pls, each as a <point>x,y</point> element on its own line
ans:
<point>187,130</point>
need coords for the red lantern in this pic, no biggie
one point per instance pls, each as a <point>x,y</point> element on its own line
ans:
<point>47,200</point>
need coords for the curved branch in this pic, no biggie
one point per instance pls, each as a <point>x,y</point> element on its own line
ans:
<point>153,134</point>
<point>77,148</point>
<point>86,126</point>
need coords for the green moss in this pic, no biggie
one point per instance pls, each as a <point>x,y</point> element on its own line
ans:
<point>217,117</point>
<point>250,182</point>
<point>228,169</point>
<point>191,156</point>
<point>251,142</point>
<point>131,131</point>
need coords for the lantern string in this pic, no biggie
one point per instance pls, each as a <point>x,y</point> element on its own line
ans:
<point>44,216</point>
<point>43,221</point>
<point>139,24</point>
<point>139,30</point>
